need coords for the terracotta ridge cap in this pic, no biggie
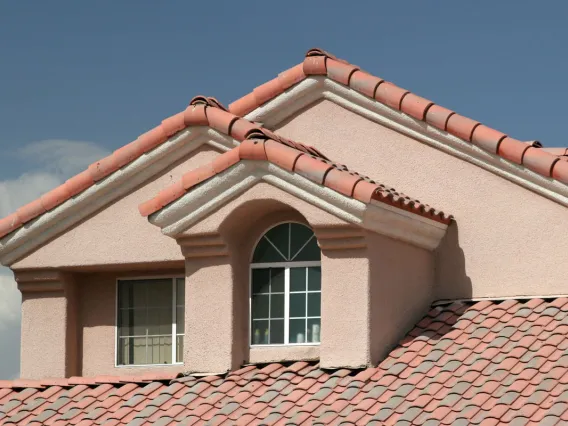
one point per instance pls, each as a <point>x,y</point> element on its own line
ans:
<point>320,62</point>
<point>207,100</point>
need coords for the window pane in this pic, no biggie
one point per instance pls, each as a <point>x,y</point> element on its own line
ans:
<point>160,293</point>
<point>264,253</point>
<point>180,320</point>
<point>132,294</point>
<point>297,279</point>
<point>144,321</point>
<point>277,306</point>
<point>314,304</point>
<point>132,350</point>
<point>297,305</point>
<point>300,235</point>
<point>180,291</point>
<point>179,348</point>
<point>260,281</point>
<point>125,294</point>
<point>276,331</point>
<point>277,280</point>
<point>259,334</point>
<point>314,329</point>
<point>280,237</point>
<point>132,322</point>
<point>311,252</point>
<point>160,349</point>
<point>314,278</point>
<point>297,331</point>
<point>260,306</point>
<point>159,321</point>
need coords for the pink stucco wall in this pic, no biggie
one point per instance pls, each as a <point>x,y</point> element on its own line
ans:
<point>118,234</point>
<point>43,350</point>
<point>97,316</point>
<point>507,240</point>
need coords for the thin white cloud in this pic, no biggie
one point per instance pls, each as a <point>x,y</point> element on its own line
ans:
<point>51,163</point>
<point>61,157</point>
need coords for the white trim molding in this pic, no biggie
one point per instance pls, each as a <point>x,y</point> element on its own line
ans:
<point>315,88</point>
<point>214,193</point>
<point>115,186</point>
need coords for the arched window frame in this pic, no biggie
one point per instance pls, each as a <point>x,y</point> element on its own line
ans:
<point>287,265</point>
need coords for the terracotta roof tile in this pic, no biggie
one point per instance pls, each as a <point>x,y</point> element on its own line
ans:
<point>461,389</point>
<point>308,162</point>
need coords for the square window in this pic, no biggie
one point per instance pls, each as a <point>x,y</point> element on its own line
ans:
<point>147,320</point>
<point>293,299</point>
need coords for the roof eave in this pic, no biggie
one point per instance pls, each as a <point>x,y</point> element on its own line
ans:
<point>48,225</point>
<point>375,216</point>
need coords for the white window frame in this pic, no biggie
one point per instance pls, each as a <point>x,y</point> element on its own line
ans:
<point>287,266</point>
<point>174,319</point>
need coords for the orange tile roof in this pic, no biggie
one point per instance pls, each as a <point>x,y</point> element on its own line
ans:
<point>263,145</point>
<point>319,62</point>
<point>316,62</point>
<point>202,111</point>
<point>483,363</point>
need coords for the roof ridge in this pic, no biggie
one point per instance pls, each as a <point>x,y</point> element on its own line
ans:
<point>292,157</point>
<point>320,62</point>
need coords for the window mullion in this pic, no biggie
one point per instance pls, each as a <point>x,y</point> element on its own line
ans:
<point>269,303</point>
<point>174,321</point>
<point>286,304</point>
<point>306,319</point>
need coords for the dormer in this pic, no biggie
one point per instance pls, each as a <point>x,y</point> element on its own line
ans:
<point>290,256</point>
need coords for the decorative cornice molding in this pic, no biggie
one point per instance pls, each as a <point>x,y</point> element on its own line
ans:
<point>41,281</point>
<point>51,224</point>
<point>210,245</point>
<point>347,237</point>
<point>315,88</point>
<point>378,217</point>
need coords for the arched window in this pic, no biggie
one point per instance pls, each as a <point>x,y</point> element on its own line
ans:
<point>286,287</point>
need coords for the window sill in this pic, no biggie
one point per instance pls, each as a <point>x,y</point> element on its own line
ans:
<point>278,353</point>
<point>176,364</point>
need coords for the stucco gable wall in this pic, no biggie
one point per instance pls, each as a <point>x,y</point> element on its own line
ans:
<point>507,241</point>
<point>118,234</point>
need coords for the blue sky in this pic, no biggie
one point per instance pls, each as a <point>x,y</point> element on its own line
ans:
<point>79,79</point>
